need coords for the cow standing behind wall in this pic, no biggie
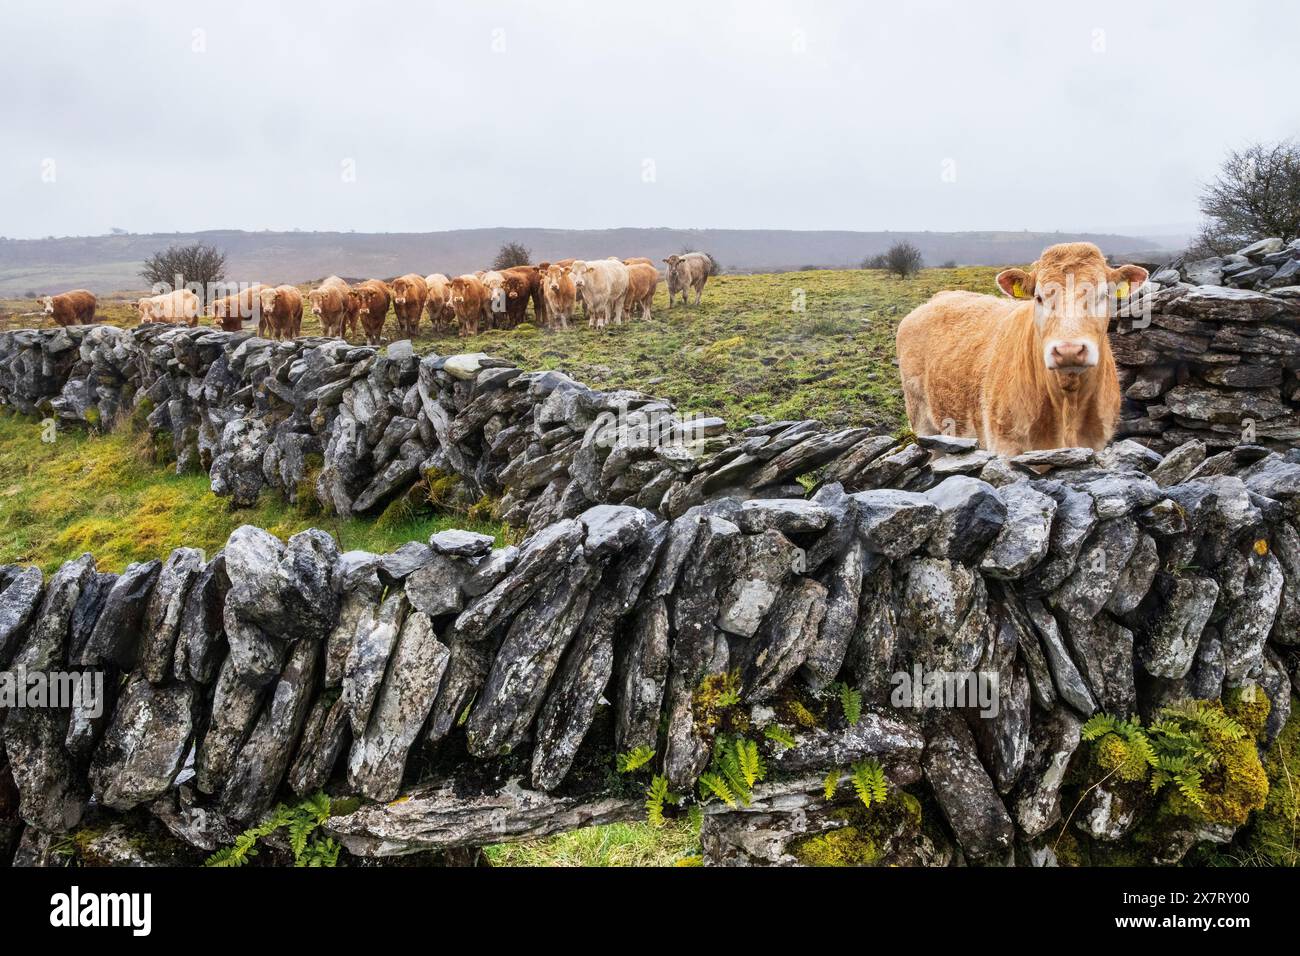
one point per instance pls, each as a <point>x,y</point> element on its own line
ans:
<point>1030,371</point>
<point>70,308</point>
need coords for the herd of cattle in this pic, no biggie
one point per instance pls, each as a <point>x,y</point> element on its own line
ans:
<point>607,289</point>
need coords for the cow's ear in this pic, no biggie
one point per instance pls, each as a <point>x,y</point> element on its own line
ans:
<point>1125,279</point>
<point>1016,283</point>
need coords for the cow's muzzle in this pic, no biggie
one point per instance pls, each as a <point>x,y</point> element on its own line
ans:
<point>1070,356</point>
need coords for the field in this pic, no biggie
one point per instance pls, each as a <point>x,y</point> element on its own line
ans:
<point>747,351</point>
<point>792,345</point>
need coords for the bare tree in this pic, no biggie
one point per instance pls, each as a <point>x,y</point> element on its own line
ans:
<point>875,262</point>
<point>1255,196</point>
<point>903,259</point>
<point>198,265</point>
<point>512,254</point>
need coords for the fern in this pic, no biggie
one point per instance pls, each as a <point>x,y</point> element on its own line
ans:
<point>736,767</point>
<point>1179,747</point>
<point>301,822</point>
<point>712,785</point>
<point>831,784</point>
<point>657,796</point>
<point>868,779</point>
<point>635,759</point>
<point>751,764</point>
<point>850,703</point>
<point>779,735</point>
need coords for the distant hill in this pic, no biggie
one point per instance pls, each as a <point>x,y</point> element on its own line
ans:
<point>112,263</point>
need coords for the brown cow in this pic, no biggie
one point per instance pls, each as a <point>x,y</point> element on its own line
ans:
<point>70,308</point>
<point>331,302</point>
<point>281,312</point>
<point>372,308</point>
<point>1032,373</point>
<point>522,284</point>
<point>469,298</point>
<point>441,315</point>
<point>642,278</point>
<point>561,294</point>
<point>179,306</point>
<point>635,260</point>
<point>230,311</point>
<point>409,294</point>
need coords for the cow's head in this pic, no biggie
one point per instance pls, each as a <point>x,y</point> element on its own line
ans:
<point>316,297</point>
<point>266,299</point>
<point>458,286</point>
<point>1074,293</point>
<point>579,270</point>
<point>555,276</point>
<point>47,303</point>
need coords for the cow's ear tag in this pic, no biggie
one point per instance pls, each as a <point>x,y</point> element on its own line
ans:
<point>1121,291</point>
<point>1018,290</point>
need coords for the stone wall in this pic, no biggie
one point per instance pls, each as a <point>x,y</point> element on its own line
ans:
<point>492,687</point>
<point>1218,358</point>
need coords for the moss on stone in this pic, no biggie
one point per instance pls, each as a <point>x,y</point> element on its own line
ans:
<point>1274,836</point>
<point>1248,706</point>
<point>867,833</point>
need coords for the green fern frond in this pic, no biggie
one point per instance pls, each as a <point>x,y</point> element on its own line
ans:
<point>656,796</point>
<point>751,764</point>
<point>712,785</point>
<point>635,759</point>
<point>831,784</point>
<point>851,703</point>
<point>869,781</point>
<point>778,734</point>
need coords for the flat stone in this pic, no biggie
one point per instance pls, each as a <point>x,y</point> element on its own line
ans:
<point>461,544</point>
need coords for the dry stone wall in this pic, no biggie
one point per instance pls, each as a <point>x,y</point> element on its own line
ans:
<point>1218,357</point>
<point>492,687</point>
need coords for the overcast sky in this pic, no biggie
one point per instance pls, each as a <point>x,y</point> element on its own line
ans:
<point>839,114</point>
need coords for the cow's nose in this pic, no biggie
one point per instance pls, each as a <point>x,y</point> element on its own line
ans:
<point>1068,354</point>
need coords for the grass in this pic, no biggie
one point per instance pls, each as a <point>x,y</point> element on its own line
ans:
<point>106,495</point>
<point>616,844</point>
<point>816,344</point>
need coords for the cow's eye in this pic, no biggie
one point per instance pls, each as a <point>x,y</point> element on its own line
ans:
<point>1038,297</point>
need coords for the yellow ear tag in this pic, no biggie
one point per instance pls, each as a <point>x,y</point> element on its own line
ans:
<point>1018,291</point>
<point>1121,291</point>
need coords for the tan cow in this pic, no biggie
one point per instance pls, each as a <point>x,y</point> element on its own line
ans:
<point>469,298</point>
<point>181,306</point>
<point>409,294</point>
<point>441,315</point>
<point>1026,372</point>
<point>331,302</point>
<point>70,308</point>
<point>602,283</point>
<point>281,312</point>
<point>561,294</point>
<point>642,278</point>
<point>372,308</point>
<point>688,272</point>
<point>229,312</point>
